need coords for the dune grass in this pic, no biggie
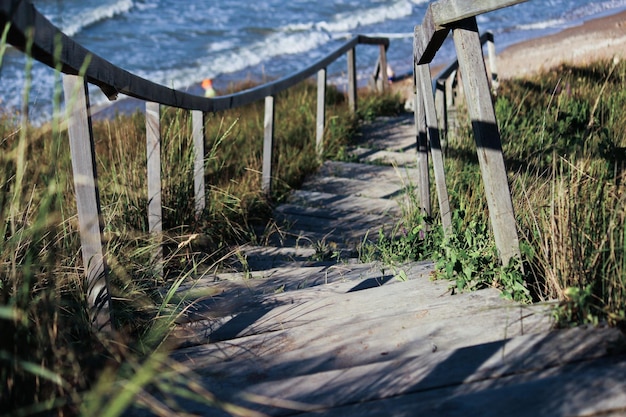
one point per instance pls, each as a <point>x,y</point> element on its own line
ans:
<point>564,141</point>
<point>51,360</point>
<point>563,136</point>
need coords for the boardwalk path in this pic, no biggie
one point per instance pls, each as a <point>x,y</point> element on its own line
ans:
<point>290,335</point>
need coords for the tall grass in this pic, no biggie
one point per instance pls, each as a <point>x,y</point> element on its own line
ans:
<point>51,360</point>
<point>564,135</point>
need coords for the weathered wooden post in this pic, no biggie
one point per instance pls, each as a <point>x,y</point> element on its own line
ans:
<point>82,151</point>
<point>487,137</point>
<point>423,180</point>
<point>352,99</point>
<point>320,123</point>
<point>153,161</point>
<point>268,138</point>
<point>442,112</point>
<point>493,67</point>
<point>383,79</point>
<point>424,89</point>
<point>197,133</point>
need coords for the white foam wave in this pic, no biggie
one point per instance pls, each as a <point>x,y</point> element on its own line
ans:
<point>98,14</point>
<point>546,24</point>
<point>230,61</point>
<point>346,22</point>
<point>291,39</point>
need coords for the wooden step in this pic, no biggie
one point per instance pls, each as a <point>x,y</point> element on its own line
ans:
<point>370,324</point>
<point>567,372</point>
<point>345,203</point>
<point>384,157</point>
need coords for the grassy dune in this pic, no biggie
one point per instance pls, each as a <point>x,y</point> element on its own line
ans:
<point>49,356</point>
<point>564,135</point>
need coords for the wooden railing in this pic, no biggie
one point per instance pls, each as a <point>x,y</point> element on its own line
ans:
<point>80,67</point>
<point>459,17</point>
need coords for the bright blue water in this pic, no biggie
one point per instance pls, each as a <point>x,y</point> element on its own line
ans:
<point>178,43</point>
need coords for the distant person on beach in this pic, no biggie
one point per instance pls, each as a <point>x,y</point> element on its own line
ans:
<point>209,91</point>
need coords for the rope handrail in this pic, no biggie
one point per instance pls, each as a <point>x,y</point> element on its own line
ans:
<point>22,17</point>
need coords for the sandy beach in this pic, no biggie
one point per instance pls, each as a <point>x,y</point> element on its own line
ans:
<point>601,38</point>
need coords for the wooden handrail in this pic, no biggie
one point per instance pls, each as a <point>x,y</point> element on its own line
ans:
<point>112,79</point>
<point>28,29</point>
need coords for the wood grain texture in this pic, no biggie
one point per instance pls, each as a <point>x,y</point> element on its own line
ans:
<point>153,162</point>
<point>487,137</point>
<point>82,151</point>
<point>320,121</point>
<point>268,139</point>
<point>432,125</point>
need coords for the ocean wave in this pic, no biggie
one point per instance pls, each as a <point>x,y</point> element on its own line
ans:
<point>297,38</point>
<point>95,15</point>
<point>595,8</point>
<point>346,22</point>
<point>238,59</point>
<point>546,24</point>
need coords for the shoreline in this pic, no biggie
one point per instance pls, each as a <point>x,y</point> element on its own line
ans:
<point>601,38</point>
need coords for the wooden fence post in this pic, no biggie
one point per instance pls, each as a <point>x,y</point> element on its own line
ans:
<point>352,99</point>
<point>442,111</point>
<point>425,90</point>
<point>383,79</point>
<point>153,162</point>
<point>487,136</point>
<point>268,138</point>
<point>197,132</point>
<point>87,200</point>
<point>321,111</point>
<point>493,68</point>
<point>423,181</point>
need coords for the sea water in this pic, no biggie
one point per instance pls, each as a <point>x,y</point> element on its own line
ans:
<point>178,43</point>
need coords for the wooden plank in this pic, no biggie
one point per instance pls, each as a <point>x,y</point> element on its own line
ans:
<point>445,12</point>
<point>423,177</point>
<point>594,388</point>
<point>227,294</point>
<point>197,133</point>
<point>425,91</point>
<point>321,111</point>
<point>352,91</point>
<point>428,38</point>
<point>153,153</point>
<point>390,133</point>
<point>492,59</point>
<point>268,138</point>
<point>383,80</point>
<point>381,157</point>
<point>487,137</point>
<point>483,370</point>
<point>355,334</point>
<point>354,187</point>
<point>441,15</point>
<point>323,226</point>
<point>366,172</point>
<point>442,111</point>
<point>82,151</point>
<point>345,203</point>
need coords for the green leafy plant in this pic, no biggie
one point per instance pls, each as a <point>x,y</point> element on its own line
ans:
<point>468,257</point>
